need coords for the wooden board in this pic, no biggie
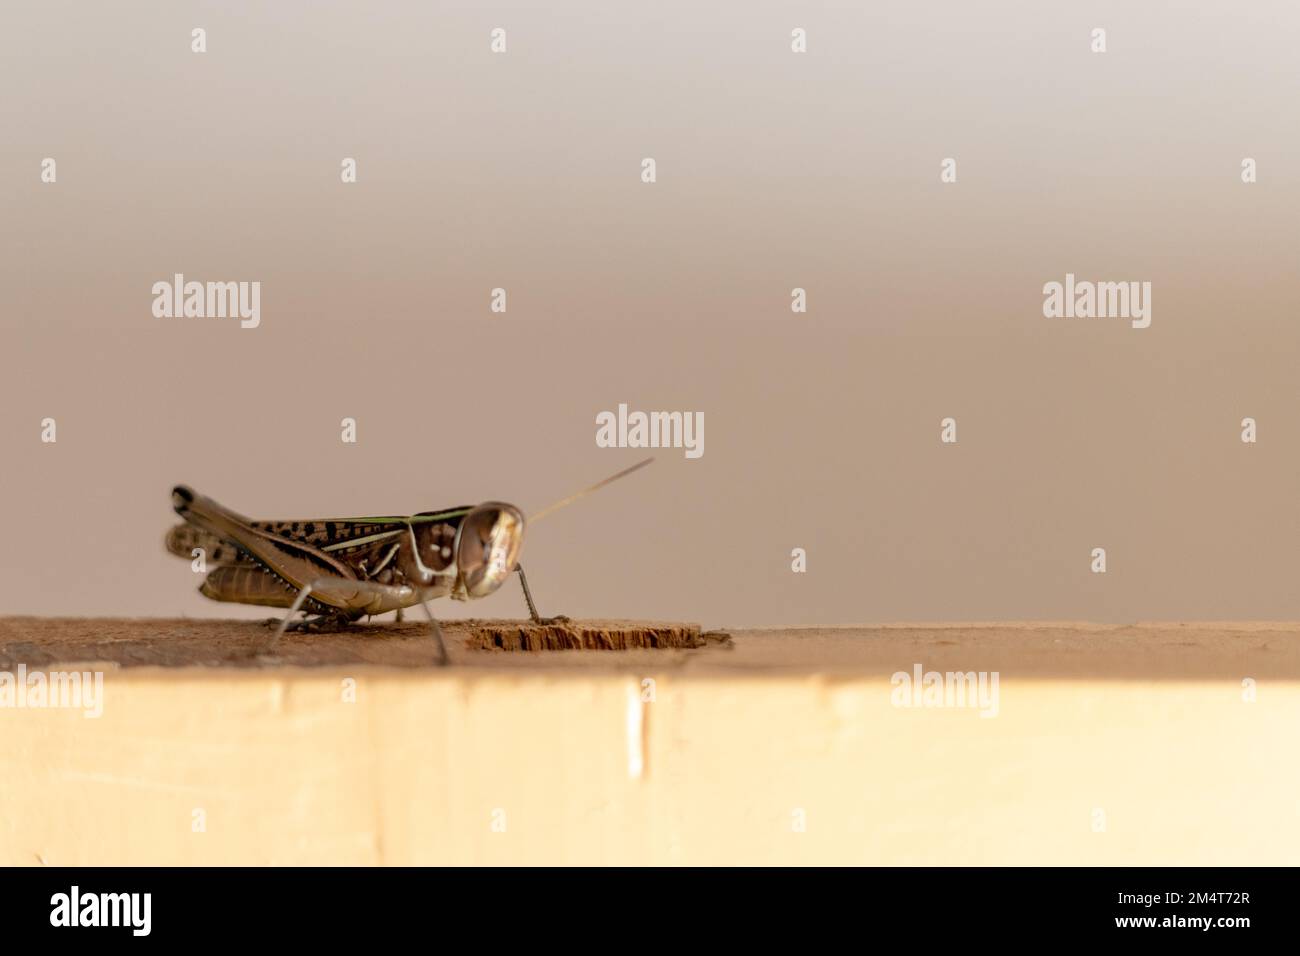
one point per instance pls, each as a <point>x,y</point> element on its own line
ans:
<point>41,642</point>
<point>1099,745</point>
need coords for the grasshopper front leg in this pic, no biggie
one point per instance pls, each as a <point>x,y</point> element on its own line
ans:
<point>532,608</point>
<point>335,587</point>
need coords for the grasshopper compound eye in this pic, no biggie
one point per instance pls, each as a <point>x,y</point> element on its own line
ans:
<point>488,545</point>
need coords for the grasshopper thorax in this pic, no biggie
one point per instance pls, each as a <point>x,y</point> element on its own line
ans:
<point>487,547</point>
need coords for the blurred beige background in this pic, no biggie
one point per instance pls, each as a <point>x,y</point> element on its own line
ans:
<point>775,170</point>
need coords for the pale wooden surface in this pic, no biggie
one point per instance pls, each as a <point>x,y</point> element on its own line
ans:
<point>684,756</point>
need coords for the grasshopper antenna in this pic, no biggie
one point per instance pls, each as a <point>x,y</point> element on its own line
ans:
<point>586,491</point>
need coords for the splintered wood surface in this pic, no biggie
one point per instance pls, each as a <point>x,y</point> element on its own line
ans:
<point>40,642</point>
<point>1154,651</point>
<point>579,635</point>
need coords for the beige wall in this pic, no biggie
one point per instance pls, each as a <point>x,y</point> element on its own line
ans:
<point>775,171</point>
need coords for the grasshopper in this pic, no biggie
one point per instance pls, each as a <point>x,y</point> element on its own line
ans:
<point>337,570</point>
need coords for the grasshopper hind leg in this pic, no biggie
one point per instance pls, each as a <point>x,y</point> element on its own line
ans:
<point>532,608</point>
<point>333,618</point>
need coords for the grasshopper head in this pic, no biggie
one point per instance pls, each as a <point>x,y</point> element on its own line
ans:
<point>487,546</point>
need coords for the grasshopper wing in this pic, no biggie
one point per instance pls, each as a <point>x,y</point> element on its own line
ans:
<point>366,545</point>
<point>295,563</point>
<point>183,539</point>
<point>339,534</point>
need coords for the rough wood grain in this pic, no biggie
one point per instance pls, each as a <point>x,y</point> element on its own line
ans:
<point>581,635</point>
